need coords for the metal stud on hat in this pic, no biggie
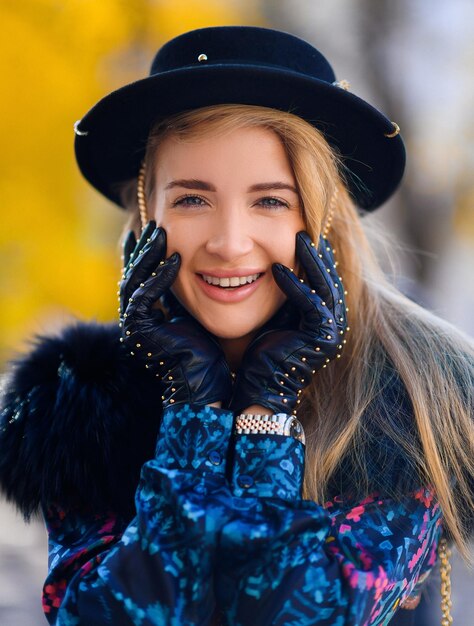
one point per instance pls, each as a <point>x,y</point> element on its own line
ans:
<point>79,133</point>
<point>396,131</point>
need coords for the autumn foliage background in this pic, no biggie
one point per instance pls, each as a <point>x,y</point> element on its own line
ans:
<point>58,238</point>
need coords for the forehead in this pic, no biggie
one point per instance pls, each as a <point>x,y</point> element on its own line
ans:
<point>242,153</point>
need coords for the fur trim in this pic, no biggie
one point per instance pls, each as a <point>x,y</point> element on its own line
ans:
<point>78,421</point>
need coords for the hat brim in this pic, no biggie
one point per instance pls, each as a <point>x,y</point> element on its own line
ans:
<point>113,134</point>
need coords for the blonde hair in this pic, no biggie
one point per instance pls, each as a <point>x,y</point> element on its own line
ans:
<point>393,344</point>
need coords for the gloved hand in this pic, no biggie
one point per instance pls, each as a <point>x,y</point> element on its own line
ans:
<point>180,351</point>
<point>279,363</point>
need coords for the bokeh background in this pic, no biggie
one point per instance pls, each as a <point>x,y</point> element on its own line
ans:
<point>414,59</point>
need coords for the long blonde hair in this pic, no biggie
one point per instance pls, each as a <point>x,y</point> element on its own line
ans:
<point>391,341</point>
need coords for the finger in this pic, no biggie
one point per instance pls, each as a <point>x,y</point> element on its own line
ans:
<point>315,262</point>
<point>172,304</point>
<point>286,317</point>
<point>147,260</point>
<point>326,252</point>
<point>140,306</point>
<point>339,309</point>
<point>317,318</point>
<point>147,293</point>
<point>144,238</point>
<point>308,303</point>
<point>136,273</point>
<point>128,247</point>
<point>322,275</point>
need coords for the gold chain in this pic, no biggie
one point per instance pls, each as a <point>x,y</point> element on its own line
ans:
<point>444,552</point>
<point>141,196</point>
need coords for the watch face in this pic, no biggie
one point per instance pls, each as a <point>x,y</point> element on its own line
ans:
<point>296,430</point>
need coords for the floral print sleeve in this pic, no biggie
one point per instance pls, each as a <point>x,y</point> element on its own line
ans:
<point>221,532</point>
<point>286,561</point>
<point>156,570</point>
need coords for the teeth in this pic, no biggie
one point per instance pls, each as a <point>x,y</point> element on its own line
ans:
<point>232,281</point>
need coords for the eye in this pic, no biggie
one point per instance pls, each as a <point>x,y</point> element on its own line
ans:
<point>270,202</point>
<point>189,201</point>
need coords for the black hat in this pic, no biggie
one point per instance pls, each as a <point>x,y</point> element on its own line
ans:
<point>244,65</point>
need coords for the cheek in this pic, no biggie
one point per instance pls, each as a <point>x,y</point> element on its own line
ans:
<point>181,236</point>
<point>281,246</point>
<point>184,238</point>
<point>285,253</point>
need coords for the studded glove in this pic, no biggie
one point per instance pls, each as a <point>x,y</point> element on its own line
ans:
<point>280,362</point>
<point>180,351</point>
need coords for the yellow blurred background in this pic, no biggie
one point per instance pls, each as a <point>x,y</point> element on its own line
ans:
<point>58,238</point>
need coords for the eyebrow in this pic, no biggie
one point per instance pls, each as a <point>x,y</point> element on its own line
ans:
<point>270,186</point>
<point>193,183</point>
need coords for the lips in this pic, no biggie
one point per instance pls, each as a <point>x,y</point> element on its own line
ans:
<point>230,288</point>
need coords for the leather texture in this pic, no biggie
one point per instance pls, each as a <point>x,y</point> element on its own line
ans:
<point>181,353</point>
<point>279,363</point>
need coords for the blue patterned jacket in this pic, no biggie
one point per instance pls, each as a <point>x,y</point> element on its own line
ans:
<point>218,532</point>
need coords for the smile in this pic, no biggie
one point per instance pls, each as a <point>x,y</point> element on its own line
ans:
<point>230,281</point>
<point>230,289</point>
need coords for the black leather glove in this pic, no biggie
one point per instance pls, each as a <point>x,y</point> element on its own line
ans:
<point>180,351</point>
<point>279,363</point>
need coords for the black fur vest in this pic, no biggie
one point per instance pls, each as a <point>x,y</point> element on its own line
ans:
<point>77,423</point>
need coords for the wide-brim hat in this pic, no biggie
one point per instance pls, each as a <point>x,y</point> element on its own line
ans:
<point>241,65</point>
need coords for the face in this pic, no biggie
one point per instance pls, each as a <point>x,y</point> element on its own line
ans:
<point>230,207</point>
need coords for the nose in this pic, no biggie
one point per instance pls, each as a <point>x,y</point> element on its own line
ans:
<point>230,235</point>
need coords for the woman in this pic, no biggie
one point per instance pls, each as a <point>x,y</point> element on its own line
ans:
<point>168,454</point>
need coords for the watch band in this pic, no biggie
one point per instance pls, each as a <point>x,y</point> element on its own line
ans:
<point>277,424</point>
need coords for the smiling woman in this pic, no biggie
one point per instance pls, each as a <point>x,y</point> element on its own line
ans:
<point>230,223</point>
<point>233,384</point>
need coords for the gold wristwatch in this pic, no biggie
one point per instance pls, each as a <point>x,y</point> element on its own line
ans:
<point>277,424</point>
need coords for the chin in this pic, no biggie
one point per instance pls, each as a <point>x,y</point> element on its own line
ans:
<point>232,326</point>
<point>228,330</point>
